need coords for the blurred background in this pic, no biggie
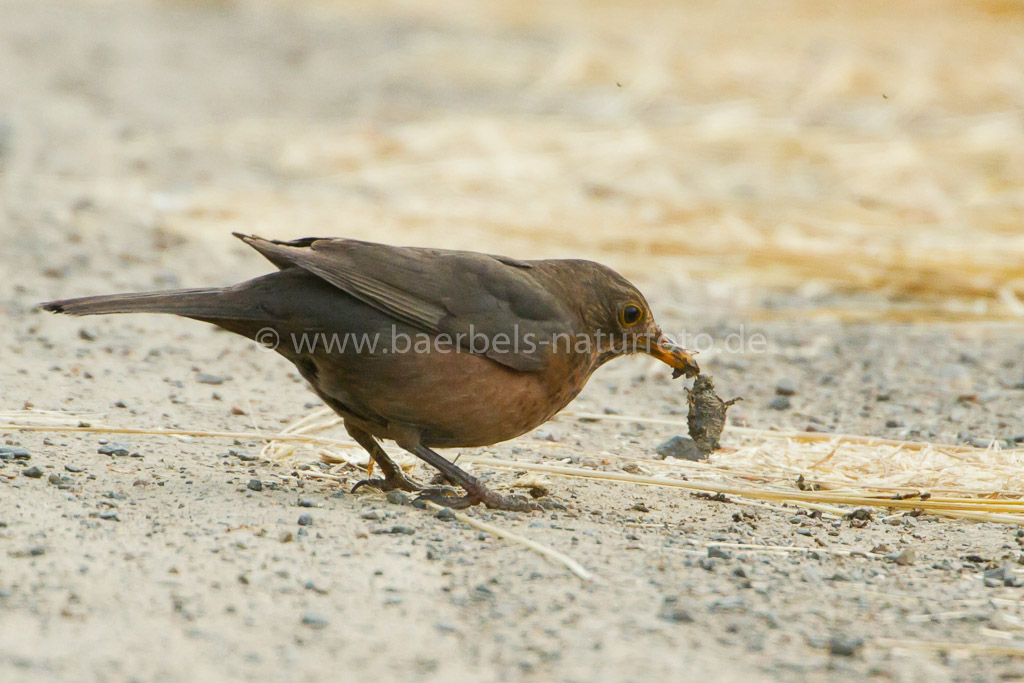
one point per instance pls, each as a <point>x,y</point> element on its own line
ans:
<point>782,160</point>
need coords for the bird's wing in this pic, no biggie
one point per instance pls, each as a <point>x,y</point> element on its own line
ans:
<point>486,304</point>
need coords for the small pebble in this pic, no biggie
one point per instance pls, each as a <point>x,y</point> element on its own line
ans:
<point>74,468</point>
<point>59,481</point>
<point>314,621</point>
<point>14,453</point>
<point>906,558</point>
<point>445,514</point>
<point>785,387</point>
<point>1005,575</point>
<point>254,485</point>
<point>397,497</point>
<point>115,448</point>
<point>286,537</point>
<point>33,472</point>
<point>675,611</point>
<point>306,503</point>
<point>779,403</point>
<point>203,378</point>
<point>305,519</point>
<point>841,646</point>
<point>681,447</point>
<point>110,516</point>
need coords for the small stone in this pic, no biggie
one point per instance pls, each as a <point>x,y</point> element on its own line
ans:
<point>114,448</point>
<point>715,551</point>
<point>59,481</point>
<point>85,334</point>
<point>254,485</point>
<point>785,387</point>
<point>110,516</point>
<point>305,519</point>
<point>547,435</point>
<point>445,514</point>
<point>1002,576</point>
<point>314,621</point>
<point>403,530</point>
<point>893,424</point>
<point>842,646</point>
<point>203,378</point>
<point>397,497</point>
<point>370,515</point>
<point>74,468</point>
<point>14,453</point>
<point>906,557</point>
<point>33,472</point>
<point>779,403</point>
<point>286,537</point>
<point>681,447</point>
<point>307,503</point>
<point>244,457</point>
<point>676,611</point>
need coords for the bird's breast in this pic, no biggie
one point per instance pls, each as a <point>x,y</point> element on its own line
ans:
<point>461,399</point>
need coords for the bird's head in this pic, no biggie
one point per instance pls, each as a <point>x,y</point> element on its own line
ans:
<point>620,320</point>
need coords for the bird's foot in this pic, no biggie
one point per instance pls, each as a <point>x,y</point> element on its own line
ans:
<point>476,495</point>
<point>440,492</point>
<point>392,481</point>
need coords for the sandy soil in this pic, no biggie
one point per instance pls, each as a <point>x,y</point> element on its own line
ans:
<point>818,180</point>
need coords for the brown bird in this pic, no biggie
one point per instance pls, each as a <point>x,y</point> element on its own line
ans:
<point>429,348</point>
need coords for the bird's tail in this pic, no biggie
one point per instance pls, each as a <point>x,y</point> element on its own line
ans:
<point>191,303</point>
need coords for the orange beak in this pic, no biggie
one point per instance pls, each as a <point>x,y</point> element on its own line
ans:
<point>678,358</point>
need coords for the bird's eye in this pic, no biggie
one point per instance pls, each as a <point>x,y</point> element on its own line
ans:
<point>631,315</point>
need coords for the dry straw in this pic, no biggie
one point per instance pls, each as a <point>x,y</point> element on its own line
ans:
<point>828,472</point>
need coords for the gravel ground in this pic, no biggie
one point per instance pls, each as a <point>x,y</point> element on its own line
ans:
<point>125,164</point>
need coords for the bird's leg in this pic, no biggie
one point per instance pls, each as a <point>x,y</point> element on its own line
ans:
<point>394,477</point>
<point>476,492</point>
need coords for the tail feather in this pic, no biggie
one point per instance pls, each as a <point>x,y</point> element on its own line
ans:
<point>187,302</point>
